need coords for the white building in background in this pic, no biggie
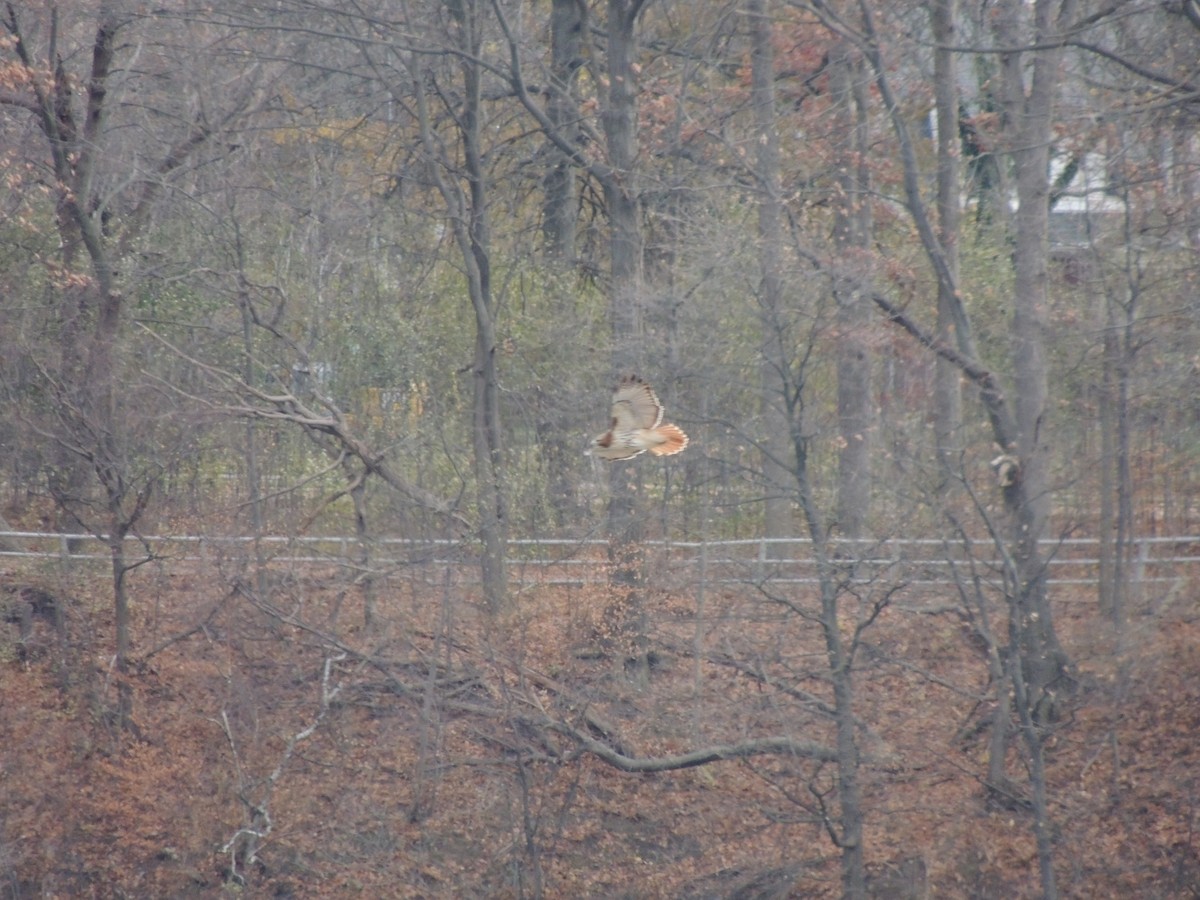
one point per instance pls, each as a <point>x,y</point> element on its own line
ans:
<point>1085,206</point>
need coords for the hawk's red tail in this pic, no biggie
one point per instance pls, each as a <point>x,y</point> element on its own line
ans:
<point>670,439</point>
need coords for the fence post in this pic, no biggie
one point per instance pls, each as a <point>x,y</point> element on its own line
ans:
<point>1143,555</point>
<point>1136,590</point>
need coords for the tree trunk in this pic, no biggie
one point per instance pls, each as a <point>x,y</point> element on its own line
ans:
<point>947,390</point>
<point>1120,346</point>
<point>116,549</point>
<point>1028,129</point>
<point>851,238</point>
<point>567,21</point>
<point>559,217</point>
<point>475,240</point>
<point>1034,738</point>
<point>1109,587</point>
<point>848,830</point>
<point>251,450</point>
<point>778,521</point>
<point>623,203</point>
<point>849,790</point>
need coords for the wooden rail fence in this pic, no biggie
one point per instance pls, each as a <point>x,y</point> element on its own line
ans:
<point>1150,560</point>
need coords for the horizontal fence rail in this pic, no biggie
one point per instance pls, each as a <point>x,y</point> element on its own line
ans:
<point>779,561</point>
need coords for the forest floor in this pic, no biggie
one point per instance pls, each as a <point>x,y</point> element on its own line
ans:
<point>278,746</point>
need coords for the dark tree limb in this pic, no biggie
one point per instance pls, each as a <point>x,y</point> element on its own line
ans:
<point>990,390</point>
<point>773,746</point>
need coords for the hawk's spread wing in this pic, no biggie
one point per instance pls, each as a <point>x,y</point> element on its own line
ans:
<point>635,405</point>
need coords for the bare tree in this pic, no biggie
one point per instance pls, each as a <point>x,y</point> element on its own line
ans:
<point>1018,423</point>
<point>1033,40</point>
<point>470,223</point>
<point>104,194</point>
<point>425,74</point>
<point>832,565</point>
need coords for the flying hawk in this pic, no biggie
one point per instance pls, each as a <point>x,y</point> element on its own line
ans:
<point>637,425</point>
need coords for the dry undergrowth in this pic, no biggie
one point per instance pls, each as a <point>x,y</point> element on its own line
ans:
<point>430,762</point>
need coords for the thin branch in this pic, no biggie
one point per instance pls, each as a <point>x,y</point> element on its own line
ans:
<point>287,407</point>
